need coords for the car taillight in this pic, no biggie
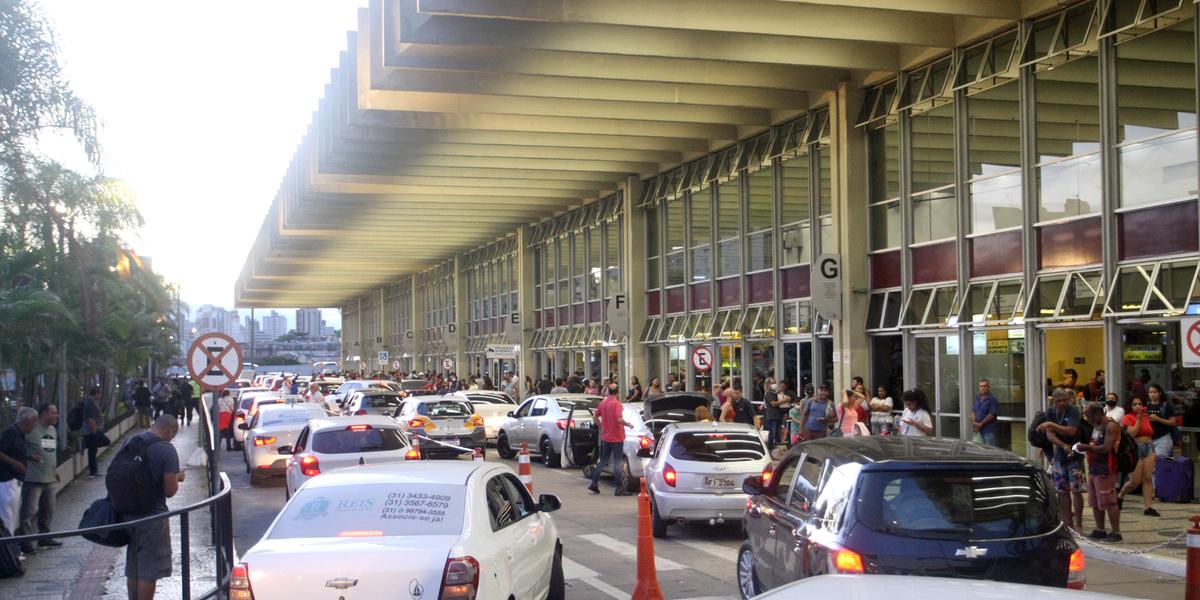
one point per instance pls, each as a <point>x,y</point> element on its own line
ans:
<point>645,442</point>
<point>310,466</point>
<point>239,583</point>
<point>360,412</point>
<point>848,561</point>
<point>564,423</point>
<point>1076,580</point>
<point>669,475</point>
<point>265,441</point>
<point>416,424</point>
<point>460,580</point>
<point>412,454</point>
<point>767,473</point>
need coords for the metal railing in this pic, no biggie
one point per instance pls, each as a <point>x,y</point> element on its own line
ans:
<point>219,503</point>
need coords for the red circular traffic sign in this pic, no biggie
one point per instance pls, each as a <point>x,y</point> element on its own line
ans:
<point>1193,338</point>
<point>702,359</point>
<point>214,361</point>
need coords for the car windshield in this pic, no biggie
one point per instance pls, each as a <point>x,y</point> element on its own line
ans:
<point>717,446</point>
<point>412,384</point>
<point>287,416</point>
<point>357,438</point>
<point>380,401</point>
<point>373,510</point>
<point>976,505</point>
<point>580,402</point>
<point>445,408</point>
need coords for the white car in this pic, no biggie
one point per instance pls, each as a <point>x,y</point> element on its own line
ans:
<point>360,384</point>
<point>448,420</point>
<point>646,422</point>
<point>372,402</point>
<point>275,425</point>
<point>247,405</point>
<point>909,587</point>
<point>697,470</point>
<point>428,530</point>
<point>335,442</point>
<point>492,406</point>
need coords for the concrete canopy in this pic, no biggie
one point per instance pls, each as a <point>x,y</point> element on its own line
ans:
<point>443,111</point>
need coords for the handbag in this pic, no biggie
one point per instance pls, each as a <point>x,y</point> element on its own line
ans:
<point>837,431</point>
<point>99,514</point>
<point>98,440</point>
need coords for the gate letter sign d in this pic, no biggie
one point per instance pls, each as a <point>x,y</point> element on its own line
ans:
<point>827,286</point>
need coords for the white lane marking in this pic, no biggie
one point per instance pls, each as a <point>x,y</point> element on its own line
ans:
<point>629,551</point>
<point>717,550</point>
<point>576,571</point>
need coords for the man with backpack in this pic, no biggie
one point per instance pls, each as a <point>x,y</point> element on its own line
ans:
<point>143,474</point>
<point>1101,452</point>
<point>1064,427</point>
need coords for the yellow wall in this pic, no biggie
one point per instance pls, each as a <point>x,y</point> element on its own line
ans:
<point>1064,345</point>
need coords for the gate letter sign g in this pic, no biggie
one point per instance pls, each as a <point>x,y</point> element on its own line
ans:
<point>827,286</point>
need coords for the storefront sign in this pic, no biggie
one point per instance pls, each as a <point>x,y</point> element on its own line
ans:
<point>1143,353</point>
<point>827,286</point>
<point>1190,335</point>
<point>502,351</point>
<point>618,315</point>
<point>997,347</point>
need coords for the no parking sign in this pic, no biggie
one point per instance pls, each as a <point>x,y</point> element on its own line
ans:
<point>702,359</point>
<point>1189,333</point>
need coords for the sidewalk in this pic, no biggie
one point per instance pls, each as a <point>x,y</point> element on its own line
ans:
<point>82,570</point>
<point>1150,542</point>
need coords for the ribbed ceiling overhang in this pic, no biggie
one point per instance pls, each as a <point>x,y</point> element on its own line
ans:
<point>448,123</point>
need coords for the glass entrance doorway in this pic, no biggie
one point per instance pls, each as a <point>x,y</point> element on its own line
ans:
<point>797,364</point>
<point>937,375</point>
<point>1072,354</point>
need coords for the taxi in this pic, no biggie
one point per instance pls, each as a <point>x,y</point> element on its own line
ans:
<point>274,425</point>
<point>461,530</point>
<point>335,442</point>
<point>446,426</point>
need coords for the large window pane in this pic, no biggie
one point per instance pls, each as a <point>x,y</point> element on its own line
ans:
<point>935,215</point>
<point>612,261</point>
<point>701,209</point>
<point>729,209</point>
<point>1069,188</point>
<point>729,258</point>
<point>701,263</point>
<point>796,189</point>
<point>796,244</point>
<point>932,156</point>
<point>675,268</point>
<point>1068,112</point>
<point>762,200</point>
<point>884,165</point>
<point>1156,90</point>
<point>824,162</point>
<point>1159,169</point>
<point>760,253</point>
<point>828,240</point>
<point>652,238</point>
<point>885,225</point>
<point>996,203</point>
<point>993,131</point>
<point>653,278</point>
<point>674,225</point>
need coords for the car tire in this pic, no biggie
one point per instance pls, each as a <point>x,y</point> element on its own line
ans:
<point>550,458</point>
<point>657,525</point>
<point>558,583</point>
<point>502,448</point>
<point>747,579</point>
<point>632,484</point>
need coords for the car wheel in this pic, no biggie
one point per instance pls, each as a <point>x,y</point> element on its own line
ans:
<point>558,584</point>
<point>657,525</point>
<point>748,584</point>
<point>550,458</point>
<point>632,484</point>
<point>502,448</point>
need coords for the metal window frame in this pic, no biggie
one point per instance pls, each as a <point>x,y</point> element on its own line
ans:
<point>1142,22</point>
<point>703,330</point>
<point>650,330</point>
<point>1067,277</point>
<point>934,290</point>
<point>764,325</point>
<point>1152,289</point>
<point>1059,52</point>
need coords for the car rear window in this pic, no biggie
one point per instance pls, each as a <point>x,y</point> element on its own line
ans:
<point>296,416</point>
<point>448,408</point>
<point>357,438</point>
<point>381,401</point>
<point>483,399</point>
<point>976,505</point>
<point>373,510</point>
<point>579,402</point>
<point>705,446</point>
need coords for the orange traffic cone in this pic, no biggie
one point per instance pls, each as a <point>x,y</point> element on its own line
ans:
<point>647,581</point>
<point>478,455</point>
<point>524,469</point>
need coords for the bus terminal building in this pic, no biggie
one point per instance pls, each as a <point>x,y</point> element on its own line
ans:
<point>1004,190</point>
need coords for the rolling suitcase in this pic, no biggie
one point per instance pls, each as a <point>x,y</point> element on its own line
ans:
<point>10,556</point>
<point>1174,479</point>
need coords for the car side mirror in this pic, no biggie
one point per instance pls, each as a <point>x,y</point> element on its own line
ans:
<point>244,426</point>
<point>753,485</point>
<point>283,450</point>
<point>549,503</point>
<point>511,415</point>
<point>644,453</point>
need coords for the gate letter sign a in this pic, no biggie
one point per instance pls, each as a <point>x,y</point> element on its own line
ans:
<point>827,286</point>
<point>1189,332</point>
<point>214,361</point>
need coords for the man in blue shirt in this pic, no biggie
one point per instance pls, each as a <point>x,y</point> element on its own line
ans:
<point>1062,429</point>
<point>986,408</point>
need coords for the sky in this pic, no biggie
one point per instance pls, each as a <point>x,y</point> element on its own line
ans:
<point>202,107</point>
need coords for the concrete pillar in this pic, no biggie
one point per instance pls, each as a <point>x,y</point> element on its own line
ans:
<point>417,343</point>
<point>633,272</point>
<point>385,331</point>
<point>850,217</point>
<point>525,303</point>
<point>460,320</point>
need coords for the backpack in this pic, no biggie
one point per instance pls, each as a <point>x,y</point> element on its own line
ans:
<point>1126,451</point>
<point>75,417</point>
<point>1038,439</point>
<point>100,514</point>
<point>129,482</point>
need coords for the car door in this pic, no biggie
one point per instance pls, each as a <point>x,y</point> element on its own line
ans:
<point>762,523</point>
<point>515,428</point>
<point>536,423</point>
<point>796,551</point>
<point>293,465</point>
<point>513,532</point>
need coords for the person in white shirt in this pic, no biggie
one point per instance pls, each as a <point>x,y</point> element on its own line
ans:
<point>915,420</point>
<point>881,412</point>
<point>1112,407</point>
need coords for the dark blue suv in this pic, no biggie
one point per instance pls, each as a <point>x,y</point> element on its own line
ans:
<point>904,506</point>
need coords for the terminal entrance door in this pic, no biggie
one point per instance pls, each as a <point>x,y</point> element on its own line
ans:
<point>797,364</point>
<point>1072,357</point>
<point>937,358</point>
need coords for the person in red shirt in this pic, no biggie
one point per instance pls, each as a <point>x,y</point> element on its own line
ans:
<point>612,441</point>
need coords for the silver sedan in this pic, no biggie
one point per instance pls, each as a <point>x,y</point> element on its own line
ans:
<point>541,421</point>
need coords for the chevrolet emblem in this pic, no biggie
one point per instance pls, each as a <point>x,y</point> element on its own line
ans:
<point>971,552</point>
<point>341,583</point>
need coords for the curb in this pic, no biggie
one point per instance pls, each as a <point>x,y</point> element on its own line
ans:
<point>1165,565</point>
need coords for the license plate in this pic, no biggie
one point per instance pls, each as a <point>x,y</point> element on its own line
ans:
<point>718,482</point>
<point>451,441</point>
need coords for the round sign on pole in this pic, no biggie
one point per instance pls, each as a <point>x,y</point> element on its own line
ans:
<point>702,359</point>
<point>214,361</point>
<point>448,364</point>
<point>1190,330</point>
<point>395,365</point>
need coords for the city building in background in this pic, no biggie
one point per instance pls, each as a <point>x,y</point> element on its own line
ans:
<point>309,322</point>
